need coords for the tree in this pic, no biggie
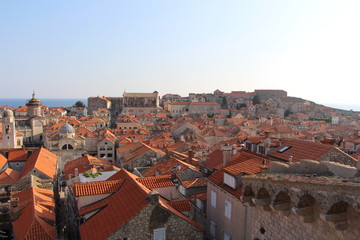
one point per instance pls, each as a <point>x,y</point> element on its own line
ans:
<point>256,100</point>
<point>288,112</point>
<point>79,104</point>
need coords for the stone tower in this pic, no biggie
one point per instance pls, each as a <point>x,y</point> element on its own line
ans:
<point>9,139</point>
<point>34,106</point>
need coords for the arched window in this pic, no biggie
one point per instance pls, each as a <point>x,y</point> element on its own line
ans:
<point>67,146</point>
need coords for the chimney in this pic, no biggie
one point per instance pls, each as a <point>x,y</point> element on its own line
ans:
<point>76,172</point>
<point>153,197</point>
<point>190,154</point>
<point>290,159</point>
<point>264,166</point>
<point>15,208</point>
<point>227,149</point>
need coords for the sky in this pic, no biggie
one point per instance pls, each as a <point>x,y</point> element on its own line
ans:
<point>78,49</point>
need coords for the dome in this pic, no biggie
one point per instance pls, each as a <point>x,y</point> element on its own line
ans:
<point>33,102</point>
<point>67,128</point>
<point>8,113</point>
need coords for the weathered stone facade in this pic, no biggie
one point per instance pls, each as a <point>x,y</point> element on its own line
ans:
<point>336,155</point>
<point>155,216</point>
<point>293,206</point>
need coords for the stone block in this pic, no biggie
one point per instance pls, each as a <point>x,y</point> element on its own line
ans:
<point>303,211</point>
<point>261,201</point>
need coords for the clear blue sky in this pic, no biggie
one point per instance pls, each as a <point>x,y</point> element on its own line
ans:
<point>77,49</point>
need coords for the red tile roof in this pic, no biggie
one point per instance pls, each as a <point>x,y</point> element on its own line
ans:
<point>180,205</point>
<point>192,183</point>
<point>84,164</point>
<point>156,182</point>
<point>96,188</point>
<point>300,149</point>
<point>165,168</point>
<point>41,160</point>
<point>115,210</point>
<point>9,176</point>
<point>251,163</point>
<point>3,161</point>
<point>37,205</point>
<point>15,154</point>
<point>164,203</point>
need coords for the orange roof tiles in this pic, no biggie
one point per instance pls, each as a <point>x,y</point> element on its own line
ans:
<point>42,160</point>
<point>37,205</point>
<point>115,210</point>
<point>165,168</point>
<point>9,176</point>
<point>85,163</point>
<point>15,154</point>
<point>164,203</point>
<point>96,188</point>
<point>250,166</point>
<point>196,182</point>
<point>180,205</point>
<point>156,182</point>
<point>253,162</point>
<point>3,161</point>
<point>300,149</point>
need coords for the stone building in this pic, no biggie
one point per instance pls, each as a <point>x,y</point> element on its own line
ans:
<point>305,200</point>
<point>227,217</point>
<point>110,212</point>
<point>30,120</point>
<point>140,103</point>
<point>113,104</point>
<point>268,93</point>
<point>66,144</point>
<point>179,108</point>
<point>10,137</point>
<point>293,150</point>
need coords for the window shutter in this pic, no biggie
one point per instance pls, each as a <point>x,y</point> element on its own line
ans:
<point>159,234</point>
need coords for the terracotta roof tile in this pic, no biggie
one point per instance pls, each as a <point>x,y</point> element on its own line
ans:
<point>36,205</point>
<point>9,176</point>
<point>166,205</point>
<point>300,149</point>
<point>42,160</point>
<point>251,159</point>
<point>128,201</point>
<point>85,163</point>
<point>192,183</point>
<point>180,205</point>
<point>15,154</point>
<point>156,182</point>
<point>3,161</point>
<point>96,188</point>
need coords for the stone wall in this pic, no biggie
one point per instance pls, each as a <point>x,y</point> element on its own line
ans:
<point>336,155</point>
<point>154,216</point>
<point>274,225</point>
<point>303,206</point>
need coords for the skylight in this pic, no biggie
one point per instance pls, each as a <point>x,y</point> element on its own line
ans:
<point>285,148</point>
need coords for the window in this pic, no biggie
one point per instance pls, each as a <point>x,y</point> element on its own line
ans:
<point>227,209</point>
<point>182,190</point>
<point>283,149</point>
<point>227,236</point>
<point>212,229</point>
<point>229,180</point>
<point>198,204</point>
<point>213,198</point>
<point>159,234</point>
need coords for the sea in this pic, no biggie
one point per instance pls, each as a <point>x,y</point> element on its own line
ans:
<point>49,102</point>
